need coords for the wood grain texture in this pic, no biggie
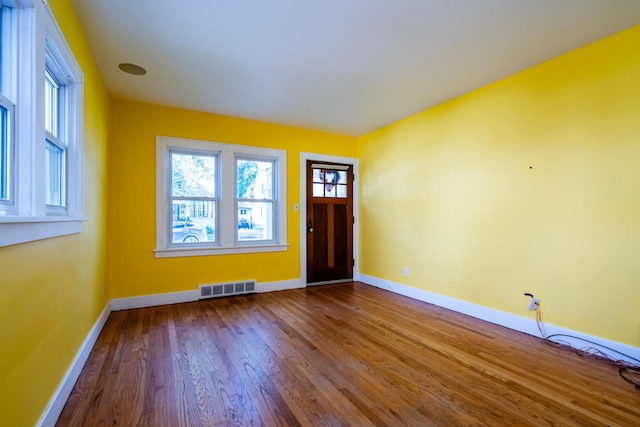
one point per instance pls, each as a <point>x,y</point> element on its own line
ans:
<point>338,355</point>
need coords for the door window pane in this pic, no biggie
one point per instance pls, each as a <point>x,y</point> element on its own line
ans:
<point>329,183</point>
<point>318,190</point>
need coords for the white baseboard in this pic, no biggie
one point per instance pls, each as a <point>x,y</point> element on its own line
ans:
<point>118,304</point>
<point>279,286</point>
<point>53,410</point>
<point>508,320</point>
<point>143,301</point>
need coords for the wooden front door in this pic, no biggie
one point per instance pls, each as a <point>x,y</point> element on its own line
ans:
<point>329,222</point>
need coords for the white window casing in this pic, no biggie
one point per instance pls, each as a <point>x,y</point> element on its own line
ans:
<point>226,229</point>
<point>35,38</point>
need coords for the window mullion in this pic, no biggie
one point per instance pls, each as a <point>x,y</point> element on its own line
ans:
<point>227,189</point>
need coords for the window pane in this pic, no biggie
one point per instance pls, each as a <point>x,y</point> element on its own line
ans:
<point>342,191</point>
<point>255,221</point>
<point>55,185</point>
<point>329,190</point>
<point>193,175</point>
<point>330,176</point>
<point>254,179</point>
<point>318,175</point>
<point>342,177</point>
<point>318,190</point>
<point>51,105</point>
<point>4,154</point>
<point>193,221</point>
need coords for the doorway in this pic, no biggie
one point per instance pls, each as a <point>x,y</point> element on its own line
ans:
<point>329,222</point>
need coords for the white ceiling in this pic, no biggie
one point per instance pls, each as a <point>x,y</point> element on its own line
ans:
<point>343,66</point>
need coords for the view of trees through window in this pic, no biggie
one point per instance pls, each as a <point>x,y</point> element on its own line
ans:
<point>195,199</point>
<point>255,199</point>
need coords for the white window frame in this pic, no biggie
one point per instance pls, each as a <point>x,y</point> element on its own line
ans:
<point>227,217</point>
<point>8,62</point>
<point>36,37</point>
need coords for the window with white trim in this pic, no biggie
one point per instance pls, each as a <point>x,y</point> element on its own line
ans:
<point>7,69</point>
<point>215,198</point>
<point>41,127</point>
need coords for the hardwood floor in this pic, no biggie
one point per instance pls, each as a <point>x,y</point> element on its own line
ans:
<point>346,354</point>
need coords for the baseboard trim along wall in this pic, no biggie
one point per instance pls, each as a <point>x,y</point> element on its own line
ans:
<point>508,320</point>
<point>118,304</point>
<point>143,301</point>
<point>56,404</point>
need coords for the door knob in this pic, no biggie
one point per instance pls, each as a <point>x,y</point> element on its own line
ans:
<point>309,227</point>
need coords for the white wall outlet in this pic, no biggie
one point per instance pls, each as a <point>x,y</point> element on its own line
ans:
<point>405,271</point>
<point>534,303</point>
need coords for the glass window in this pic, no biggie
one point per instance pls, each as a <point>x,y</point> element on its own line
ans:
<point>254,198</point>
<point>193,197</point>
<point>41,126</point>
<point>218,198</point>
<point>55,159</point>
<point>55,174</point>
<point>6,107</point>
<point>51,106</point>
<point>330,183</point>
<point>4,154</point>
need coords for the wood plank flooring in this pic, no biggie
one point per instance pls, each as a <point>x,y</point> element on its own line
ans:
<point>337,355</point>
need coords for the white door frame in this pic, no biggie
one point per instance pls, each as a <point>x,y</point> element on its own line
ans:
<point>303,208</point>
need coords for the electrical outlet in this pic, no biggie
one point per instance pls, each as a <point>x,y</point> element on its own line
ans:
<point>405,271</point>
<point>534,303</point>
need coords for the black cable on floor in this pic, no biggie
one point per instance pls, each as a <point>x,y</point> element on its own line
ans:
<point>623,365</point>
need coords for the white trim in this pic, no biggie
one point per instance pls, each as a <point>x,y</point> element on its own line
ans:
<point>28,229</point>
<point>282,285</point>
<point>329,166</point>
<point>53,410</point>
<point>508,320</point>
<point>143,301</point>
<point>199,251</point>
<point>303,208</point>
<point>330,282</point>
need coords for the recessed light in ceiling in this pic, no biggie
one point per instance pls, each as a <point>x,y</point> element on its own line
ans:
<point>134,69</point>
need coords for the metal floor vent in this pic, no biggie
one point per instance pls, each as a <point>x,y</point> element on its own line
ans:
<point>226,289</point>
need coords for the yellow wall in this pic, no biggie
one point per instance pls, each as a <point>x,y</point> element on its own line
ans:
<point>528,184</point>
<point>50,292</point>
<point>134,271</point>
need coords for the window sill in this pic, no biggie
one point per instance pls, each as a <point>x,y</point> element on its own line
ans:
<point>205,251</point>
<point>16,229</point>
